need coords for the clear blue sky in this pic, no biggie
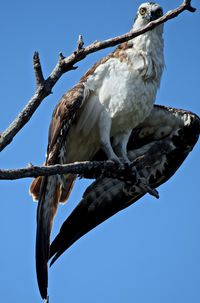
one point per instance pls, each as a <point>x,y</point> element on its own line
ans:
<point>149,252</point>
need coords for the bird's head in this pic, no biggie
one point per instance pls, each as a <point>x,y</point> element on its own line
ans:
<point>146,13</point>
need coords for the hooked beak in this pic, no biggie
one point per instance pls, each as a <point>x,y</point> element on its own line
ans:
<point>153,16</point>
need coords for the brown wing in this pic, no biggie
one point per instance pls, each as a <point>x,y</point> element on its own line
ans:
<point>62,118</point>
<point>158,147</point>
<point>47,189</point>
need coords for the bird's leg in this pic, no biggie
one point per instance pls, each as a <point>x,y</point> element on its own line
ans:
<point>120,145</point>
<point>104,132</point>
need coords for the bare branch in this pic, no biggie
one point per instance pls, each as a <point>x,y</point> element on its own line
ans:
<point>25,115</point>
<point>80,43</point>
<point>61,56</point>
<point>66,64</point>
<point>187,3</point>
<point>85,169</point>
<point>38,69</point>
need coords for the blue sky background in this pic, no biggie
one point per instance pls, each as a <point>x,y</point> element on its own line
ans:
<point>147,253</point>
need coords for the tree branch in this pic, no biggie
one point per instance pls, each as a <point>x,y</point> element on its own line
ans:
<point>85,169</point>
<point>38,69</point>
<point>44,87</point>
<point>88,170</point>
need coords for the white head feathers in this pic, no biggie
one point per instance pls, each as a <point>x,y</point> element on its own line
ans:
<point>146,13</point>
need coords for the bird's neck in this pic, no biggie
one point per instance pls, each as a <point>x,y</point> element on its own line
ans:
<point>151,41</point>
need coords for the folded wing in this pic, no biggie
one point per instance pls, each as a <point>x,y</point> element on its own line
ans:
<point>157,148</point>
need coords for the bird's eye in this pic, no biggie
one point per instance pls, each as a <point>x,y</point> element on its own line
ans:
<point>143,11</point>
<point>159,12</point>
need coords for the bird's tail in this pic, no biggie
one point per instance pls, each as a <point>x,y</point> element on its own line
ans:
<point>47,205</point>
<point>65,187</point>
<point>48,191</point>
<point>67,183</point>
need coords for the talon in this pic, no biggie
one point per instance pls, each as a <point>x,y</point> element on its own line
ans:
<point>142,182</point>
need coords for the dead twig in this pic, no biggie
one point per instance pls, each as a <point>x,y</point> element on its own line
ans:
<point>38,69</point>
<point>80,43</point>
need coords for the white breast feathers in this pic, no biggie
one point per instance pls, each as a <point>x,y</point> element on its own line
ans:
<point>120,95</point>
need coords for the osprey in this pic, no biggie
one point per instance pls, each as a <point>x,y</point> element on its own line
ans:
<point>157,148</point>
<point>110,100</point>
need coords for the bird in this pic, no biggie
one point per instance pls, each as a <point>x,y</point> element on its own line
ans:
<point>157,148</point>
<point>113,97</point>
